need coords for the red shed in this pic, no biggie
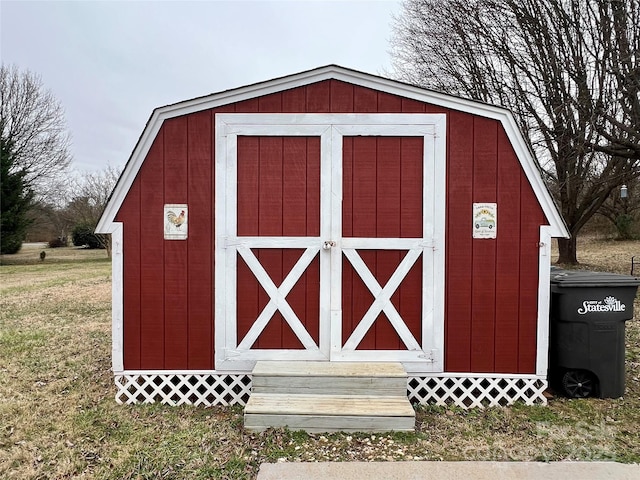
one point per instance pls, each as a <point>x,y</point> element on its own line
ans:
<point>331,215</point>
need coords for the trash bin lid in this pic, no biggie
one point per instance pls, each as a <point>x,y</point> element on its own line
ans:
<point>583,278</point>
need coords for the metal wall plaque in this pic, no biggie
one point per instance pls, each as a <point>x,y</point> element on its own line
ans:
<point>485,220</point>
<point>176,221</point>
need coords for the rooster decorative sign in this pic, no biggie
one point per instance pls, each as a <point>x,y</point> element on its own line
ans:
<point>175,221</point>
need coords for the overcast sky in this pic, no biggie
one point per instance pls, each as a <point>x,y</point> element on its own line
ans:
<point>110,63</point>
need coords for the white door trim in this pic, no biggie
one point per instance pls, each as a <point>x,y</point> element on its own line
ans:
<point>544,299</point>
<point>425,354</point>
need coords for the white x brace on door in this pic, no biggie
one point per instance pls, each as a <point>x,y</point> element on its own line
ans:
<point>422,354</point>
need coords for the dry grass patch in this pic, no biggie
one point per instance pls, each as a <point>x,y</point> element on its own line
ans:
<point>58,417</point>
<point>596,253</point>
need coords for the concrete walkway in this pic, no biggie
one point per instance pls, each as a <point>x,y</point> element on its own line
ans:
<point>449,471</point>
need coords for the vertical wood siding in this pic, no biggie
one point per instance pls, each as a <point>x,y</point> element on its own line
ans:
<point>382,198</point>
<point>491,285</point>
<point>152,295</point>
<point>459,242</point>
<point>168,285</point>
<point>200,247</point>
<point>483,263</point>
<point>130,215</point>
<point>278,195</point>
<point>176,305</point>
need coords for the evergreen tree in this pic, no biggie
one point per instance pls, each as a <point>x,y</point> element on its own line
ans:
<point>15,199</point>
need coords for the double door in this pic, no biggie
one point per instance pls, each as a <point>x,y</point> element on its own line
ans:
<point>329,238</point>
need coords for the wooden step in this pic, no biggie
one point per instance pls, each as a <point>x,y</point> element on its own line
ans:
<point>337,378</point>
<point>329,413</point>
<point>329,396</point>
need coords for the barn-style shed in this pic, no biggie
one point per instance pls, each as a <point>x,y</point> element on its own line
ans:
<point>331,215</point>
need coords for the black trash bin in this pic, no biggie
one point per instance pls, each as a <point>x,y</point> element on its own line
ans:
<point>587,331</point>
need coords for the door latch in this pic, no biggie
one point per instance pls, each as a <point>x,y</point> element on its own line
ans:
<point>328,245</point>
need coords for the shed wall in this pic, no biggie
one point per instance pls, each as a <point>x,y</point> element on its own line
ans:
<point>491,285</point>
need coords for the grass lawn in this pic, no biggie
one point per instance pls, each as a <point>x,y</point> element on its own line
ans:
<point>58,417</point>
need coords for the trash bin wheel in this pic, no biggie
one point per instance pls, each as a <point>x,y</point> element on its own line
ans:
<point>578,383</point>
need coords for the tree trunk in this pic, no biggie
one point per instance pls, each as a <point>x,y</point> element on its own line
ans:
<point>568,250</point>
<point>105,241</point>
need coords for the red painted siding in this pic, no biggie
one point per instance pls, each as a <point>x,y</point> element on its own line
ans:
<point>491,285</point>
<point>507,288</point>
<point>483,289</point>
<point>200,256</point>
<point>531,217</point>
<point>459,248</point>
<point>168,285</point>
<point>152,295</point>
<point>382,198</point>
<point>176,306</point>
<point>130,216</point>
<point>278,195</point>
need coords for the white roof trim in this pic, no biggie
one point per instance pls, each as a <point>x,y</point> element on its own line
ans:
<point>558,227</point>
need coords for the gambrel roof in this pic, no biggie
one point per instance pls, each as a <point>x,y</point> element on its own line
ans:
<point>525,157</point>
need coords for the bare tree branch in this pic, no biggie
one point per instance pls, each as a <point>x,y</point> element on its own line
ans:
<point>32,120</point>
<point>567,69</point>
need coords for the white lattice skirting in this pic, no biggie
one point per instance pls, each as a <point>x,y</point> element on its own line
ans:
<point>184,389</point>
<point>234,389</point>
<point>470,392</point>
